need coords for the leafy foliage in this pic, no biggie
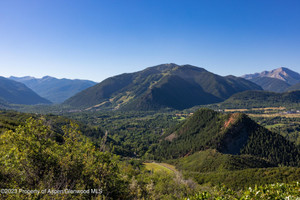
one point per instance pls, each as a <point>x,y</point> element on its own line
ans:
<point>270,191</point>
<point>211,160</point>
<point>32,159</point>
<point>10,120</point>
<point>129,133</point>
<point>240,179</point>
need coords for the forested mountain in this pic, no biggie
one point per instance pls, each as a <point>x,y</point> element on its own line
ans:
<point>162,86</point>
<point>53,89</point>
<point>17,93</point>
<point>271,84</point>
<point>250,99</point>
<point>234,134</point>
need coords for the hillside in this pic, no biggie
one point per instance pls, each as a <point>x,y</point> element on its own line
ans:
<point>271,84</point>
<point>234,134</point>
<point>11,120</point>
<point>282,73</point>
<point>294,87</point>
<point>212,160</point>
<point>162,86</point>
<point>251,99</point>
<point>53,89</point>
<point>13,92</point>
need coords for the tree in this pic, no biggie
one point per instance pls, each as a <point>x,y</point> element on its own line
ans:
<point>32,159</point>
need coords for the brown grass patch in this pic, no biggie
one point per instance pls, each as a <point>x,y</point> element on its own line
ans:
<point>171,137</point>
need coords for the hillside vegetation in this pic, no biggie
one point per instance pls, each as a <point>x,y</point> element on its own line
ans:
<point>261,99</point>
<point>211,160</point>
<point>294,87</point>
<point>33,158</point>
<point>271,84</point>
<point>48,151</point>
<point>234,134</point>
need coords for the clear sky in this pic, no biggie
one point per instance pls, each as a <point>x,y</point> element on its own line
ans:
<point>95,39</point>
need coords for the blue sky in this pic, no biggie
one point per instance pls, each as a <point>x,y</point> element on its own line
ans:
<point>95,39</point>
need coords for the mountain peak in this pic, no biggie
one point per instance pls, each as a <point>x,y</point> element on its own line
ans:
<point>162,86</point>
<point>282,70</point>
<point>282,73</point>
<point>48,78</point>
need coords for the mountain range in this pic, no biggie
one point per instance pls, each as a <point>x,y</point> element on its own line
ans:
<point>159,87</point>
<point>277,80</point>
<point>53,89</point>
<point>12,92</point>
<point>163,86</point>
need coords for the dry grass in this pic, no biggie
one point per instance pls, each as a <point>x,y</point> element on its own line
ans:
<point>160,167</point>
<point>276,115</point>
<point>270,108</point>
<point>235,110</point>
<point>265,109</point>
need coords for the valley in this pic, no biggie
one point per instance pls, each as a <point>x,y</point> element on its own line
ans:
<point>166,132</point>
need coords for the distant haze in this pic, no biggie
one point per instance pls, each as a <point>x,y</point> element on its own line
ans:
<point>53,89</point>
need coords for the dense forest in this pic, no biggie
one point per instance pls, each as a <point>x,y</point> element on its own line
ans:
<point>227,133</point>
<point>261,99</point>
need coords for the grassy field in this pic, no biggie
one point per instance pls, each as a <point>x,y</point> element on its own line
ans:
<point>274,126</point>
<point>156,167</point>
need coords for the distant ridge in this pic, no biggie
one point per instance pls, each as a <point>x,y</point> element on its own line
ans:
<point>162,86</point>
<point>294,87</point>
<point>56,90</point>
<point>12,92</point>
<point>260,99</point>
<point>282,73</point>
<point>277,80</point>
<point>271,84</point>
